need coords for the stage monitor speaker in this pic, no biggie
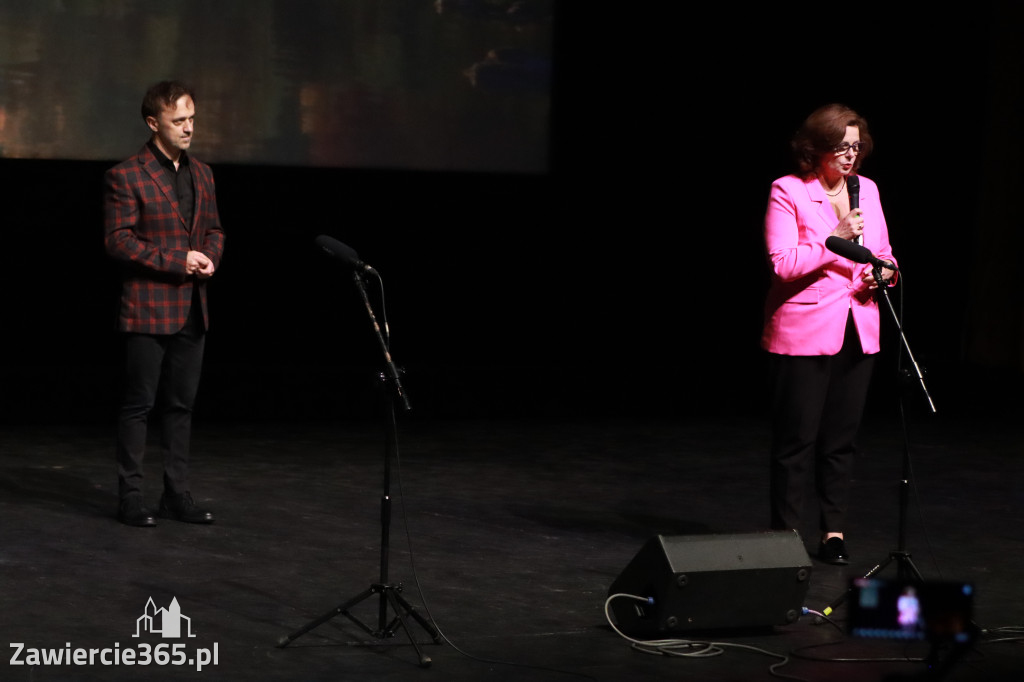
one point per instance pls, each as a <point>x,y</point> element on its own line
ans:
<point>712,582</point>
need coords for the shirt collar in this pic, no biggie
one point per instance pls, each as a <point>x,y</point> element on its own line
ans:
<point>164,160</point>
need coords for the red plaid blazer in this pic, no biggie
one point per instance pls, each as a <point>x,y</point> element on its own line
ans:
<point>144,231</point>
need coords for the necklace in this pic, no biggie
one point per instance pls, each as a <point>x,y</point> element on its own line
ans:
<point>841,186</point>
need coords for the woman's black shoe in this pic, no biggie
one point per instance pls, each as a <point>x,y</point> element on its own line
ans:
<point>833,551</point>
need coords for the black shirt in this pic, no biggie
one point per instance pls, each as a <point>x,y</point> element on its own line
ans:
<point>181,181</point>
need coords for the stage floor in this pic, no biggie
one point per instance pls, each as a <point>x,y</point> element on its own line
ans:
<point>505,534</point>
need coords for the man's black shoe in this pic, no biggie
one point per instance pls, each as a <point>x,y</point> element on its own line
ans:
<point>132,512</point>
<point>183,508</point>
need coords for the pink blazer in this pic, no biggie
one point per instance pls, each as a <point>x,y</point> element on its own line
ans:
<point>812,288</point>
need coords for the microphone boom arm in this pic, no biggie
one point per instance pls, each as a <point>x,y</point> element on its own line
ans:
<point>391,369</point>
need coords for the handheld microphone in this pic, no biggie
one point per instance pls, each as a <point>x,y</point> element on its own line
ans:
<point>853,187</point>
<point>855,252</point>
<point>346,254</point>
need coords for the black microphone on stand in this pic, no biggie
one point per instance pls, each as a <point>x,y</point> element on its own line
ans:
<point>346,254</point>
<point>855,252</point>
<point>853,187</point>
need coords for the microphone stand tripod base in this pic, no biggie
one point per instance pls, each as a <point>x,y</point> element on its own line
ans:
<point>390,595</point>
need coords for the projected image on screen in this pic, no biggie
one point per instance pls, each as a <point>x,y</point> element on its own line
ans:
<point>411,84</point>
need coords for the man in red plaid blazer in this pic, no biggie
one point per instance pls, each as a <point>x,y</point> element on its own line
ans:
<point>162,226</point>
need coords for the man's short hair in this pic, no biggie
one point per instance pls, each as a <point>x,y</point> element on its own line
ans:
<point>163,95</point>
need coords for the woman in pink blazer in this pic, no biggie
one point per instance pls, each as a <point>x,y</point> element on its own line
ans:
<point>821,320</point>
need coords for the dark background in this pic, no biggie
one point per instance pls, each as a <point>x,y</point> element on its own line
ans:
<point>626,279</point>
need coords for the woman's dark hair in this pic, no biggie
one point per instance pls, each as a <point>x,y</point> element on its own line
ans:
<point>162,95</point>
<point>822,131</point>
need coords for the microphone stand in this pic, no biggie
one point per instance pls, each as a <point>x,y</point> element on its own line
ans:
<point>390,594</point>
<point>906,571</point>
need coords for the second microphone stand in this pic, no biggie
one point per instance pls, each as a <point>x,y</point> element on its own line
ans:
<point>389,593</point>
<point>906,571</point>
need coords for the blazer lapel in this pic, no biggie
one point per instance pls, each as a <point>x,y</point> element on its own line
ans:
<point>198,195</point>
<point>159,176</point>
<point>817,195</point>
